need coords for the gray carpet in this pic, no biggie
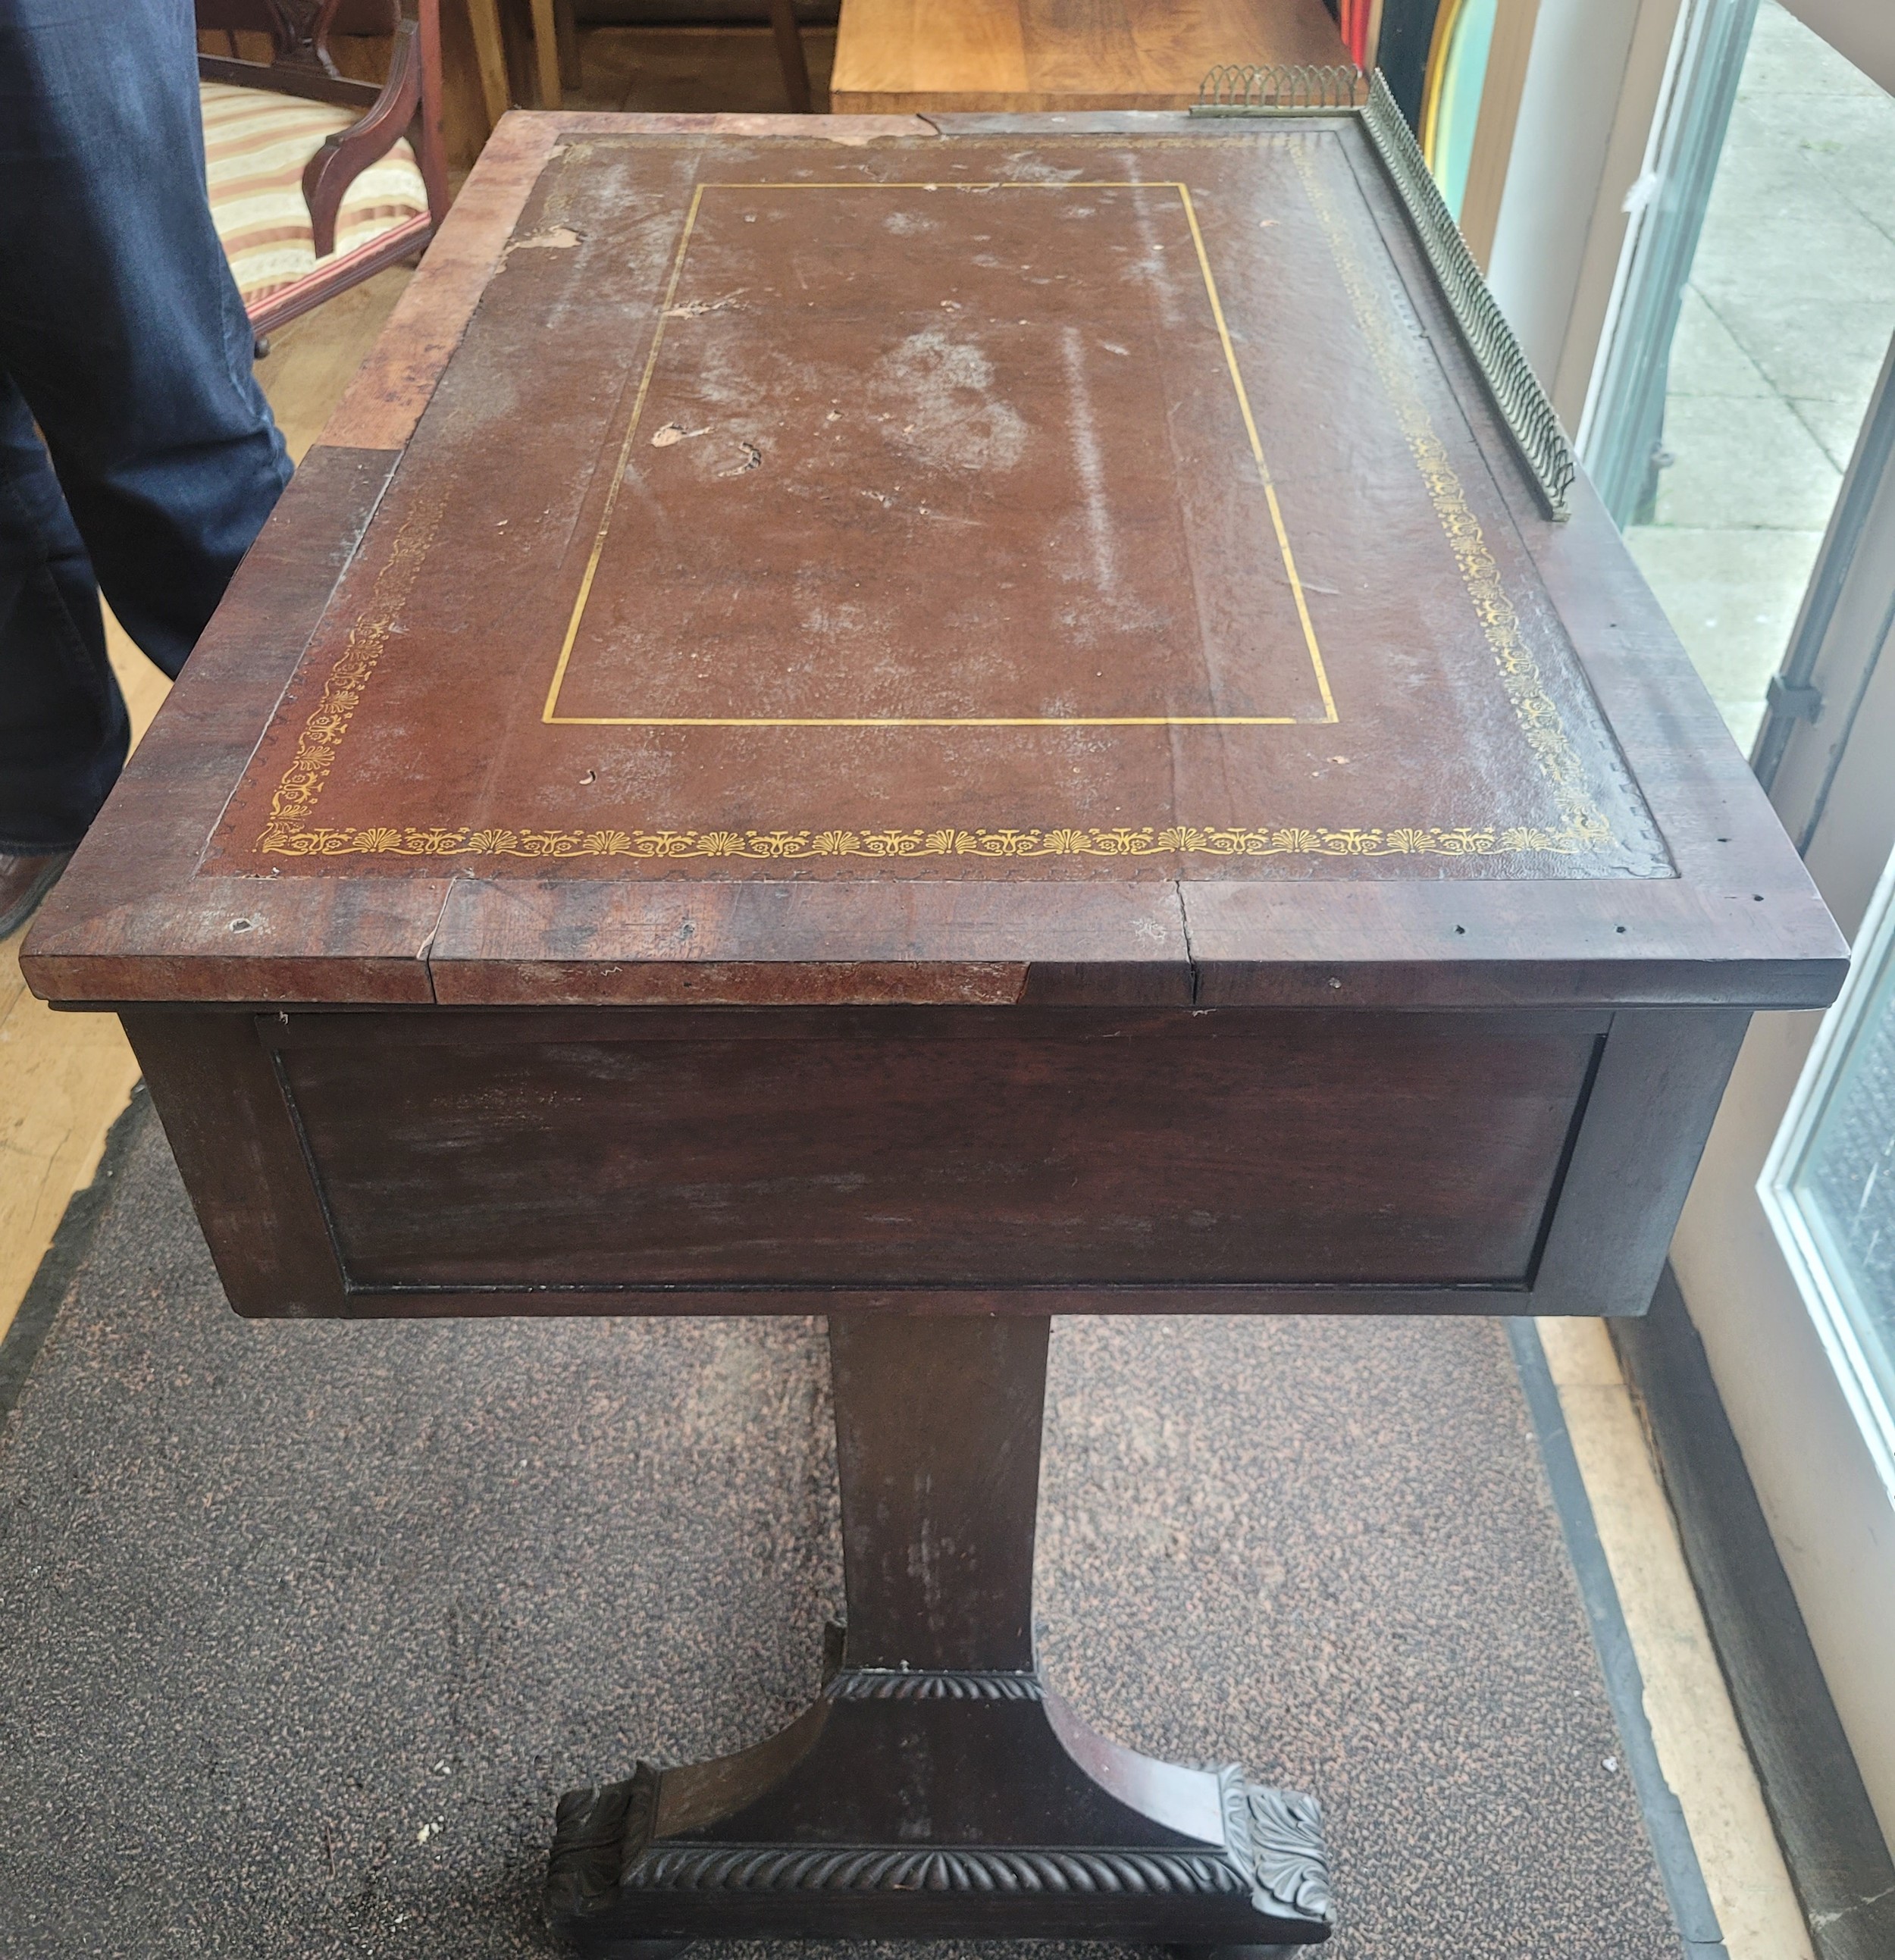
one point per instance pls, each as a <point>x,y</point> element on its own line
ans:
<point>303,1628</point>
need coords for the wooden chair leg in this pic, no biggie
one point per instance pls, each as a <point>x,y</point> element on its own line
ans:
<point>789,54</point>
<point>545,53</point>
<point>566,31</point>
<point>490,54</point>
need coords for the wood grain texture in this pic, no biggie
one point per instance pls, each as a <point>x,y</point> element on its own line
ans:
<point>1837,1856</point>
<point>701,1158</point>
<point>490,54</point>
<point>231,1130</point>
<point>393,385</point>
<point>1660,1080</point>
<point>970,1150</point>
<point>984,1390</point>
<point>1701,1748</point>
<point>1039,56</point>
<point>1739,922</point>
<point>502,944</point>
<point>64,1078</point>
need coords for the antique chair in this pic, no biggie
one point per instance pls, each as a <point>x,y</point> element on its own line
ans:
<point>317,180</point>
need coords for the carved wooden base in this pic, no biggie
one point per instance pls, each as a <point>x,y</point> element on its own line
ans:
<point>932,1805</point>
<point>937,1789</point>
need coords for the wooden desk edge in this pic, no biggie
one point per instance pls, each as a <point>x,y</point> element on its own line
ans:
<point>917,102</point>
<point>111,983</point>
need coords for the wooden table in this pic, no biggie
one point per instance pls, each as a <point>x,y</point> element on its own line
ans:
<point>936,726</point>
<point>906,57</point>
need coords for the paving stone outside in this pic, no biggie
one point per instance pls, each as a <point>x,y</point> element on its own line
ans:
<point>1786,322</point>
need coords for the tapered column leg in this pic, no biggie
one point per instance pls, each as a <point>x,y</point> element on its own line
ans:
<point>937,1789</point>
<point>938,1426</point>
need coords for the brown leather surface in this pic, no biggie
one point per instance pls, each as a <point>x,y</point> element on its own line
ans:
<point>962,526</point>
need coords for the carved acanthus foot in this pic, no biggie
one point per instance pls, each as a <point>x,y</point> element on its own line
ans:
<point>939,1803</point>
<point>1277,1835</point>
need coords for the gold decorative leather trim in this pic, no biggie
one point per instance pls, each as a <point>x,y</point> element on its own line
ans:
<point>1263,841</point>
<point>294,802</point>
<point>1538,714</point>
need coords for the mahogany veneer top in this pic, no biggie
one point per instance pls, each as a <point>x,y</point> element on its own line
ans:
<point>1069,559</point>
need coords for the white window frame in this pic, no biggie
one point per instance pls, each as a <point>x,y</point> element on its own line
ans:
<point>1812,1270</point>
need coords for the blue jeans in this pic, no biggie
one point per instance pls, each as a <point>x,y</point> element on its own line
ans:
<point>122,337</point>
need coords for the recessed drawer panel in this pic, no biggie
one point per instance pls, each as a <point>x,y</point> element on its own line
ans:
<point>940,1148</point>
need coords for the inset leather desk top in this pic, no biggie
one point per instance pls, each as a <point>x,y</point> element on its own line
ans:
<point>1079,519</point>
<point>1085,509</point>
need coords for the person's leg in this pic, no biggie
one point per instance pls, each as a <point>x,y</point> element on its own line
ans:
<point>122,329</point>
<point>63,730</point>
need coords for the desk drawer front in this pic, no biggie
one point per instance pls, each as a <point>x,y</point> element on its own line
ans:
<point>949,1149</point>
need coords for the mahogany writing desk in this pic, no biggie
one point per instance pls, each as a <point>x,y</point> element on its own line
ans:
<point>937,727</point>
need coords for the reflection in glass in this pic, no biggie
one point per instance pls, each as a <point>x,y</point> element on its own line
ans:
<point>1451,104</point>
<point>1844,1183</point>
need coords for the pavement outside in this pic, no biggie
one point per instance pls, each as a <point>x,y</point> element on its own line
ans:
<point>307,1625</point>
<point>1787,320</point>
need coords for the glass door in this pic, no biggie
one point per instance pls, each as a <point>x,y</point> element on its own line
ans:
<point>1749,344</point>
<point>1829,1186</point>
<point>1784,1252</point>
<point>1743,425</point>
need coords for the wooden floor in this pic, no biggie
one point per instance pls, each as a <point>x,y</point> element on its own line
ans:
<point>1701,1749</point>
<point>65,1078</point>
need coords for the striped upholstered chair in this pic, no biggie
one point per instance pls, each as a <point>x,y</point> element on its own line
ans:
<point>317,180</point>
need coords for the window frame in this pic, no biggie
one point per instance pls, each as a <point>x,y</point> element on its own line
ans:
<point>1864,1386</point>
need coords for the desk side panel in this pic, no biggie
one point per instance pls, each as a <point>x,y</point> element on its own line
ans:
<point>1661,1079</point>
<point>648,1163</point>
<point>214,1086</point>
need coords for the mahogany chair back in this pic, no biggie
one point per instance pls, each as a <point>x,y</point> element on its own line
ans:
<point>405,103</point>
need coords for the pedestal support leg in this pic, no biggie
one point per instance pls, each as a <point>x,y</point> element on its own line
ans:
<point>938,1424</point>
<point>937,1789</point>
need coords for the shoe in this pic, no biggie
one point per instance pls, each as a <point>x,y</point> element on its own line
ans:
<point>23,882</point>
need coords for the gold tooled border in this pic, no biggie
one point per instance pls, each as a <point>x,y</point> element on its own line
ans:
<point>1463,841</point>
<point>1540,721</point>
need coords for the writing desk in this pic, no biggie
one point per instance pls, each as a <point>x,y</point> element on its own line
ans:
<point>897,57</point>
<point>938,726</point>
